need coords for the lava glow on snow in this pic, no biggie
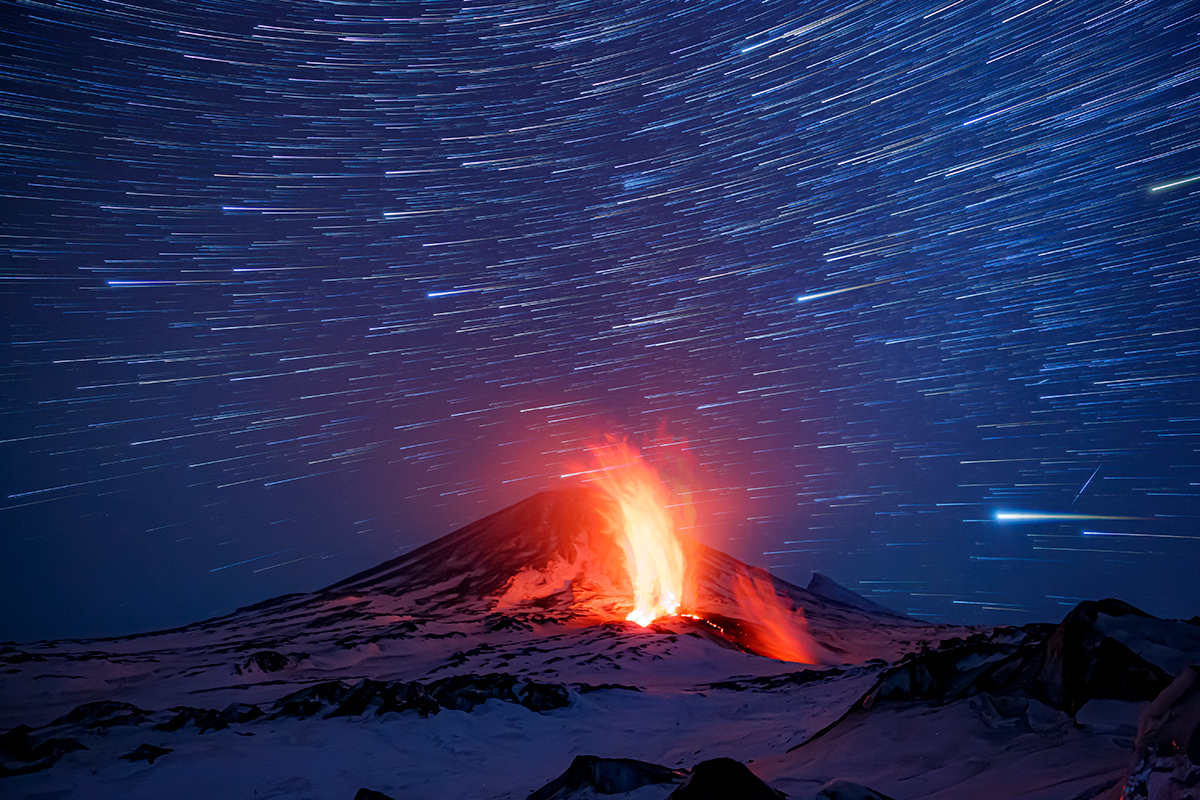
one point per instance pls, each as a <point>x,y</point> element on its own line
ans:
<point>653,551</point>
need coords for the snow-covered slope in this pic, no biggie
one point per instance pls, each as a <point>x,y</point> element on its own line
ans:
<point>484,663</point>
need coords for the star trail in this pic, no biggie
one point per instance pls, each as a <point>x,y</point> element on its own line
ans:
<point>289,289</point>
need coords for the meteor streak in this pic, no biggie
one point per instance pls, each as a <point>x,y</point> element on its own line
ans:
<point>1172,184</point>
<point>1040,516</point>
<point>1086,484</point>
<point>804,298</point>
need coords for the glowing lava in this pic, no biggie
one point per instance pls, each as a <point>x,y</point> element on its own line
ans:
<point>641,513</point>
<point>782,630</point>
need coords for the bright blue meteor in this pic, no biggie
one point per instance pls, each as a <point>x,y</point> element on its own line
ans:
<point>1040,516</point>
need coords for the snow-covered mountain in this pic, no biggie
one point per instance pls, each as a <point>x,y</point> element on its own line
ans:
<point>495,662</point>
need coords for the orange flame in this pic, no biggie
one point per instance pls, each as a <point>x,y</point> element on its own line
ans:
<point>652,549</point>
<point>783,632</point>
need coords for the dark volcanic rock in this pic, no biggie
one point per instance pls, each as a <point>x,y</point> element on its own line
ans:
<point>584,688</point>
<point>11,655</point>
<point>1082,663</point>
<point>541,697</point>
<point>588,774</point>
<point>459,693</point>
<point>22,754</point>
<point>240,712</point>
<point>771,683</point>
<point>958,671</point>
<point>847,790</point>
<point>724,779</point>
<point>503,622</point>
<point>1074,664</point>
<point>309,701</point>
<point>464,692</point>
<point>205,719</point>
<point>102,715</point>
<point>1166,755</point>
<point>385,696</point>
<point>147,753</point>
<point>370,794</point>
<point>264,661</point>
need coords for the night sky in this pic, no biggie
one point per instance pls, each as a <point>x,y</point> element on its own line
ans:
<point>291,288</point>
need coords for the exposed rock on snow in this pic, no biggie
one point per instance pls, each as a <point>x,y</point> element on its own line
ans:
<point>464,692</point>
<point>459,693</point>
<point>263,661</point>
<point>11,655</point>
<point>772,682</point>
<point>724,778</point>
<point>1166,760</point>
<point>205,719</point>
<point>591,774</point>
<point>848,790</point>
<point>148,753</point>
<point>1072,665</point>
<point>370,794</point>
<point>102,714</point>
<point>1081,662</point>
<point>384,697</point>
<point>584,688</point>
<point>307,702</point>
<point>22,754</point>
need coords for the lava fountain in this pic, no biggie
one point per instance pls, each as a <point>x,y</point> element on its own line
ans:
<point>642,515</point>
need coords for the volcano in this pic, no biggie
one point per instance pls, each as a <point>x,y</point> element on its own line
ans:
<point>497,662</point>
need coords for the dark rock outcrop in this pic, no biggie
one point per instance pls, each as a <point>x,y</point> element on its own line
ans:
<point>542,697</point>
<point>1075,663</point>
<point>102,715</point>
<point>263,661</point>
<point>464,692</point>
<point>23,754</point>
<point>848,790</point>
<point>1166,755</point>
<point>592,774</point>
<point>771,683</point>
<point>370,794</point>
<point>584,688</point>
<point>722,779</point>
<point>959,669</point>
<point>11,655</point>
<point>311,700</point>
<point>147,753</point>
<point>205,719</point>
<point>458,693</point>
<point>383,697</point>
<point>1082,663</point>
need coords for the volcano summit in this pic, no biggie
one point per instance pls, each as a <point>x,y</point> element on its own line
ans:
<point>498,662</point>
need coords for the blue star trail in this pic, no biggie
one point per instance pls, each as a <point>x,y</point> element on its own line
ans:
<point>289,289</point>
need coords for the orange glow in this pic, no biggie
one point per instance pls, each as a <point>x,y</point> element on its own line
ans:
<point>668,574</point>
<point>642,514</point>
<point>782,631</point>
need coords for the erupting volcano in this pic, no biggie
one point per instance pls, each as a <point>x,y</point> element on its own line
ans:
<point>578,634</point>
